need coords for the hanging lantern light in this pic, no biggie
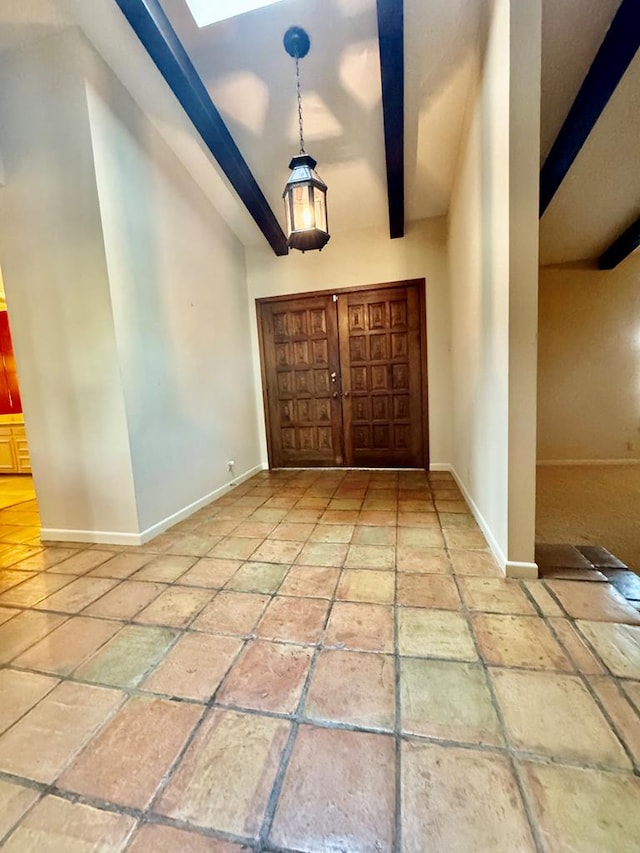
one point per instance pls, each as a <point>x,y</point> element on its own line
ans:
<point>305,195</point>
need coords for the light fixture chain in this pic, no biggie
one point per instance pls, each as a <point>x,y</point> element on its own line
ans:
<point>302,151</point>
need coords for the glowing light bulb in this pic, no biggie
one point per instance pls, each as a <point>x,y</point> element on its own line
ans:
<point>306,218</point>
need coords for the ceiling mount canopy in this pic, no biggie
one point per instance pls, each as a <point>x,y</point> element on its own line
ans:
<point>305,195</point>
<point>296,42</point>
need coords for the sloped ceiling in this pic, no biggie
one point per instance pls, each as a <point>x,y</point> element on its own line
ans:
<point>251,80</point>
<point>600,195</point>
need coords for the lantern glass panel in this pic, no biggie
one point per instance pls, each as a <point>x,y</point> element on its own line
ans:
<point>320,206</point>
<point>303,213</point>
<point>287,211</point>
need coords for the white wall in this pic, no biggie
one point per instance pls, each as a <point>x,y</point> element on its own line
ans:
<point>525,39</point>
<point>493,266</point>
<point>178,287</point>
<point>370,257</point>
<point>128,302</point>
<point>57,288</point>
<point>589,362</point>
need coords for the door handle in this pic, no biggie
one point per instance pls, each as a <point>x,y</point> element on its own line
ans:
<point>346,393</point>
<point>335,395</point>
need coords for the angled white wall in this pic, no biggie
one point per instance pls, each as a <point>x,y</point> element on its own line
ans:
<point>179,296</point>
<point>127,296</point>
<point>493,252</point>
<point>55,273</point>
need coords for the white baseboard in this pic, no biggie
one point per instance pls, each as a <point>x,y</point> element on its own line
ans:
<point>102,537</point>
<point>91,537</point>
<point>550,462</point>
<point>341,468</point>
<point>511,568</point>
<point>524,571</point>
<point>186,511</point>
<point>440,466</point>
<point>486,530</point>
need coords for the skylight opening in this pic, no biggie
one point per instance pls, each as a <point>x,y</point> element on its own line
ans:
<point>207,12</point>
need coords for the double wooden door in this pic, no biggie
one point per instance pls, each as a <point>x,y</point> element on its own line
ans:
<point>344,377</point>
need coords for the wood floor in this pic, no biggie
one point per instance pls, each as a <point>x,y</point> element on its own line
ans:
<point>15,489</point>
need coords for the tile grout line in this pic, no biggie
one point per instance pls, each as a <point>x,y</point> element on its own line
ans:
<point>615,729</point>
<point>135,691</point>
<point>131,620</point>
<point>530,597</point>
<point>128,693</point>
<point>398,713</point>
<point>167,585</point>
<point>298,719</point>
<point>142,815</point>
<point>585,681</point>
<point>7,664</point>
<point>7,835</point>
<point>572,621</point>
<point>153,819</point>
<point>503,751</point>
<point>508,752</point>
<point>211,703</point>
<point>185,630</point>
<point>577,671</point>
<point>175,764</point>
<point>48,788</point>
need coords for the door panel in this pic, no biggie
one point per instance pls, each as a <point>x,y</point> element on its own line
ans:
<point>300,346</point>
<point>381,377</point>
<point>343,378</point>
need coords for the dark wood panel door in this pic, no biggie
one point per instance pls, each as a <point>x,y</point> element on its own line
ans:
<point>301,369</point>
<point>343,378</point>
<point>380,356</point>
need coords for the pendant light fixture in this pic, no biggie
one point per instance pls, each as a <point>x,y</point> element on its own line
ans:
<point>305,195</point>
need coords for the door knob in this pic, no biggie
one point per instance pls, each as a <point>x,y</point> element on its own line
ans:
<point>335,394</point>
<point>333,376</point>
<point>346,393</point>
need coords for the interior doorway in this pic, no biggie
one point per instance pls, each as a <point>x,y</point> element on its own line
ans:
<point>344,377</point>
<point>19,518</point>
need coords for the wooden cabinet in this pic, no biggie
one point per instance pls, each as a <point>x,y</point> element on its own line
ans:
<point>14,450</point>
<point>8,461</point>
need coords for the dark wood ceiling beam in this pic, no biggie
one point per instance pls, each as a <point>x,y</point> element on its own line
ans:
<point>391,40</point>
<point>152,27</point>
<point>621,248</point>
<point>618,48</point>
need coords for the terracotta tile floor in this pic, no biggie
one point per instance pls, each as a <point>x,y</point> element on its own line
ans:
<point>319,661</point>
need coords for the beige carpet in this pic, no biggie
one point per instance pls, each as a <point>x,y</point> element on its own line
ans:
<point>591,505</point>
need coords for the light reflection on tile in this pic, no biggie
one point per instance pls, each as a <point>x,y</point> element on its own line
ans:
<point>336,618</point>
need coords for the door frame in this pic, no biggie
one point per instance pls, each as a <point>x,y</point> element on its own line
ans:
<point>419,283</point>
